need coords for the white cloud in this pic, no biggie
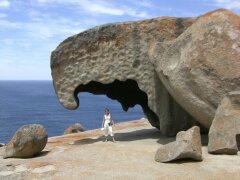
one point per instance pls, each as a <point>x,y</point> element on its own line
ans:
<point>43,1</point>
<point>3,15</point>
<point>135,13</point>
<point>20,42</point>
<point>44,28</point>
<point>103,7</point>
<point>144,3</point>
<point>4,4</point>
<point>8,24</point>
<point>229,4</point>
<point>49,30</point>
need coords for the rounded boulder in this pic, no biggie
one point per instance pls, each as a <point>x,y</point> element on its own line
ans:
<point>74,128</point>
<point>28,141</point>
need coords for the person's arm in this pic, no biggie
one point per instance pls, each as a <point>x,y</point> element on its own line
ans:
<point>111,120</point>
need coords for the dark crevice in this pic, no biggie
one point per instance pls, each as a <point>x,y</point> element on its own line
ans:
<point>238,141</point>
<point>126,92</point>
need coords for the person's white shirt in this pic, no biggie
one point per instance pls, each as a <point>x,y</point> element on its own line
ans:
<point>107,118</point>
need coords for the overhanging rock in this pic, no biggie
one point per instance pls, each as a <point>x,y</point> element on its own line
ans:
<point>177,69</point>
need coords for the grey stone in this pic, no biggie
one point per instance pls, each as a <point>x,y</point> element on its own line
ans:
<point>28,141</point>
<point>224,134</point>
<point>74,128</point>
<point>187,146</point>
<point>177,69</point>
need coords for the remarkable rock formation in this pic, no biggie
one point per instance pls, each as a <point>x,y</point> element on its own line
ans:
<point>224,134</point>
<point>187,146</point>
<point>28,141</point>
<point>74,128</point>
<point>177,69</point>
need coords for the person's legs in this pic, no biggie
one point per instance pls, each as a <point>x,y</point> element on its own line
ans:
<point>111,133</point>
<point>106,139</point>
<point>113,139</point>
<point>106,129</point>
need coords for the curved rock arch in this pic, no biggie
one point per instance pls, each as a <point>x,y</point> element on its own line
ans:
<point>127,93</point>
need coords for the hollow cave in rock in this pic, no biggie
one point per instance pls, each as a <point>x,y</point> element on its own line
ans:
<point>126,92</point>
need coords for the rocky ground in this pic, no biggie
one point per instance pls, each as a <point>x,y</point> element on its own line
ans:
<point>85,155</point>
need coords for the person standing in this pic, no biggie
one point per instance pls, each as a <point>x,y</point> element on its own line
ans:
<point>107,124</point>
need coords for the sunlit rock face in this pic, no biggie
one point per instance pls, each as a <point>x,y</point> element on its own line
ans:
<point>177,69</point>
<point>187,146</point>
<point>27,142</point>
<point>224,134</point>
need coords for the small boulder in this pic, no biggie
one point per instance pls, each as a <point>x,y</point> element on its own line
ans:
<point>224,134</point>
<point>28,141</point>
<point>187,145</point>
<point>74,128</point>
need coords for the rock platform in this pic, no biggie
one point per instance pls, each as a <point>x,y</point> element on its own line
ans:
<point>85,155</point>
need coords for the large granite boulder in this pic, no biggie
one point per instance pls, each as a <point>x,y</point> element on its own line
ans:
<point>224,134</point>
<point>200,66</point>
<point>177,69</point>
<point>1,144</point>
<point>187,146</point>
<point>28,141</point>
<point>74,128</point>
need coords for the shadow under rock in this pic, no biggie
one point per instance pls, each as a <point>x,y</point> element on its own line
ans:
<point>89,141</point>
<point>183,161</point>
<point>144,134</point>
<point>131,136</point>
<point>41,154</point>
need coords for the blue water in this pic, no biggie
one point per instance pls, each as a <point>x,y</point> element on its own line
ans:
<point>27,102</point>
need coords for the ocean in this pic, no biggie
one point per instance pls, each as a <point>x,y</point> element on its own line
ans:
<point>28,102</point>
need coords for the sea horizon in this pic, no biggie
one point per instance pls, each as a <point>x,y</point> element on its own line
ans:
<point>34,101</point>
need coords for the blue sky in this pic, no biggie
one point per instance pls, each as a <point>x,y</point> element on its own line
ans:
<point>31,29</point>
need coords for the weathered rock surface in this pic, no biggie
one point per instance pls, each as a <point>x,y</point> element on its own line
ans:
<point>74,128</point>
<point>187,146</point>
<point>177,69</point>
<point>28,141</point>
<point>224,134</point>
